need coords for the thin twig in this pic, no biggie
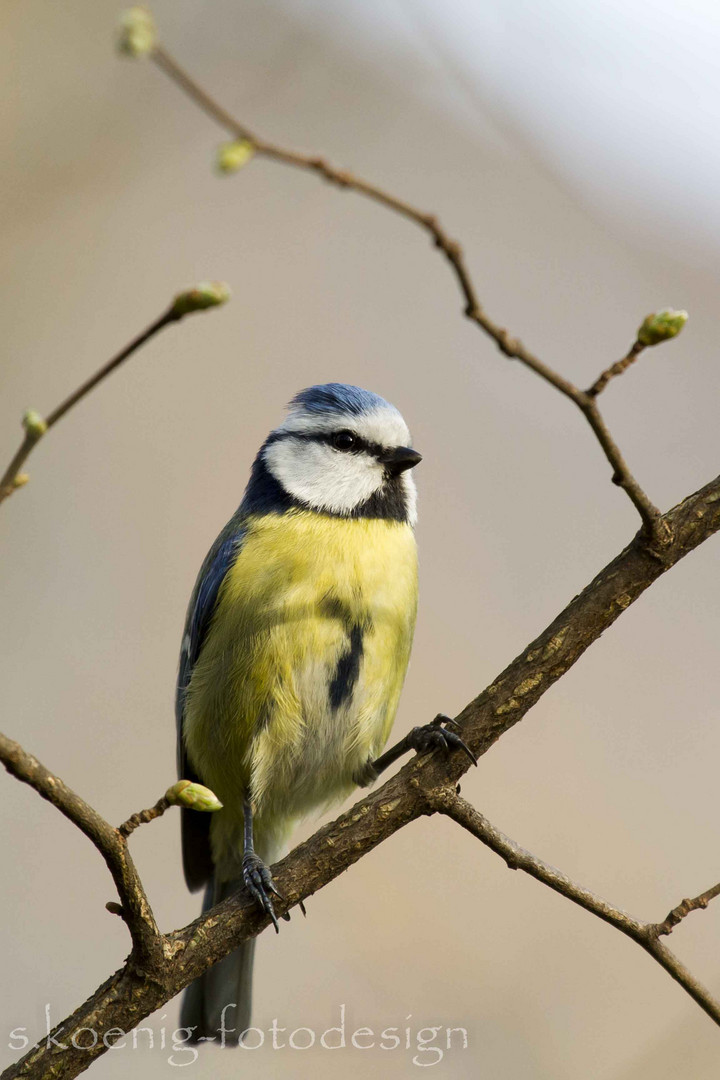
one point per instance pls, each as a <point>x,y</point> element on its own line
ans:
<point>684,908</point>
<point>8,482</point>
<point>109,842</point>
<point>510,346</point>
<point>82,391</point>
<point>447,802</point>
<point>203,296</point>
<point>143,817</point>
<point>615,369</point>
<point>653,524</point>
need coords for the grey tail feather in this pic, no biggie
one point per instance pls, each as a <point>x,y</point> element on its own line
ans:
<point>224,988</point>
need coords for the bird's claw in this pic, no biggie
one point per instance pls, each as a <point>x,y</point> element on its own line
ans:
<point>300,904</point>
<point>437,735</point>
<point>259,883</point>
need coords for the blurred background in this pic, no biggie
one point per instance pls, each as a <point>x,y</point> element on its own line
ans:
<point>573,150</point>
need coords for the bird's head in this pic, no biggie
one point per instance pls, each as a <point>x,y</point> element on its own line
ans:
<point>344,451</point>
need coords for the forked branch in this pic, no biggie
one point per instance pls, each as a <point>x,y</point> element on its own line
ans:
<point>645,934</point>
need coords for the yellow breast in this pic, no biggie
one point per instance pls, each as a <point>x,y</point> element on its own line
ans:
<point>268,699</point>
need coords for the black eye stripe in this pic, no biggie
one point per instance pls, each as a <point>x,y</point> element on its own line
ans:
<point>360,446</point>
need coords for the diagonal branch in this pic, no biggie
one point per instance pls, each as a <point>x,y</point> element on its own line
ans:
<point>447,802</point>
<point>125,998</point>
<point>510,346</point>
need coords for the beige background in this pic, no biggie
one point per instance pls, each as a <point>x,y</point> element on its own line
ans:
<point>109,205</point>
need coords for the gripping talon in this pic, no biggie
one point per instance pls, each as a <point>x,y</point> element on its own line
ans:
<point>455,740</point>
<point>259,883</point>
<point>436,735</point>
<point>445,721</point>
<point>452,736</point>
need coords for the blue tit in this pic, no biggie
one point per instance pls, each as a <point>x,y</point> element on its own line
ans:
<point>296,644</point>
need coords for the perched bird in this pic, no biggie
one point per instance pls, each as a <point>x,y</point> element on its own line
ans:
<point>296,643</point>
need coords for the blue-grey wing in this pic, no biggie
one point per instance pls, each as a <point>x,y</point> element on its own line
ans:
<point>197,860</point>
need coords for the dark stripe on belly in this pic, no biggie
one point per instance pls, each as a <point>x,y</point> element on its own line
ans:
<point>348,668</point>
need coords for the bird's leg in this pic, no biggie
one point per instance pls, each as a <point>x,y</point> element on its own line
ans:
<point>256,875</point>
<point>420,739</point>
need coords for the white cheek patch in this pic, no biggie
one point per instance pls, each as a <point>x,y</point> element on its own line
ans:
<point>322,477</point>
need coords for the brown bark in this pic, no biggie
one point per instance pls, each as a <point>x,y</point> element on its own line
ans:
<point>135,991</point>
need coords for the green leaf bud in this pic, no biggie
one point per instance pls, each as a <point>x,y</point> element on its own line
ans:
<point>193,796</point>
<point>206,294</point>
<point>231,156</point>
<point>661,326</point>
<point>35,426</point>
<point>138,33</point>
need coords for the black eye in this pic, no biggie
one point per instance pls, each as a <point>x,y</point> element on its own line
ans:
<point>344,440</point>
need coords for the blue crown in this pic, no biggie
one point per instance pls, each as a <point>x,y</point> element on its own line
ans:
<point>338,397</point>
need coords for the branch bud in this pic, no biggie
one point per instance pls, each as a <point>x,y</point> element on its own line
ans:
<point>206,294</point>
<point>231,156</point>
<point>20,479</point>
<point>35,426</point>
<point>193,796</point>
<point>661,326</point>
<point>138,33</point>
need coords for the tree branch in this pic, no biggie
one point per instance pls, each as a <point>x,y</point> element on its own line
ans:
<point>510,346</point>
<point>126,998</point>
<point>447,802</point>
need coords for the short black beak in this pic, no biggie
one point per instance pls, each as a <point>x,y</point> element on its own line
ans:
<point>399,458</point>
